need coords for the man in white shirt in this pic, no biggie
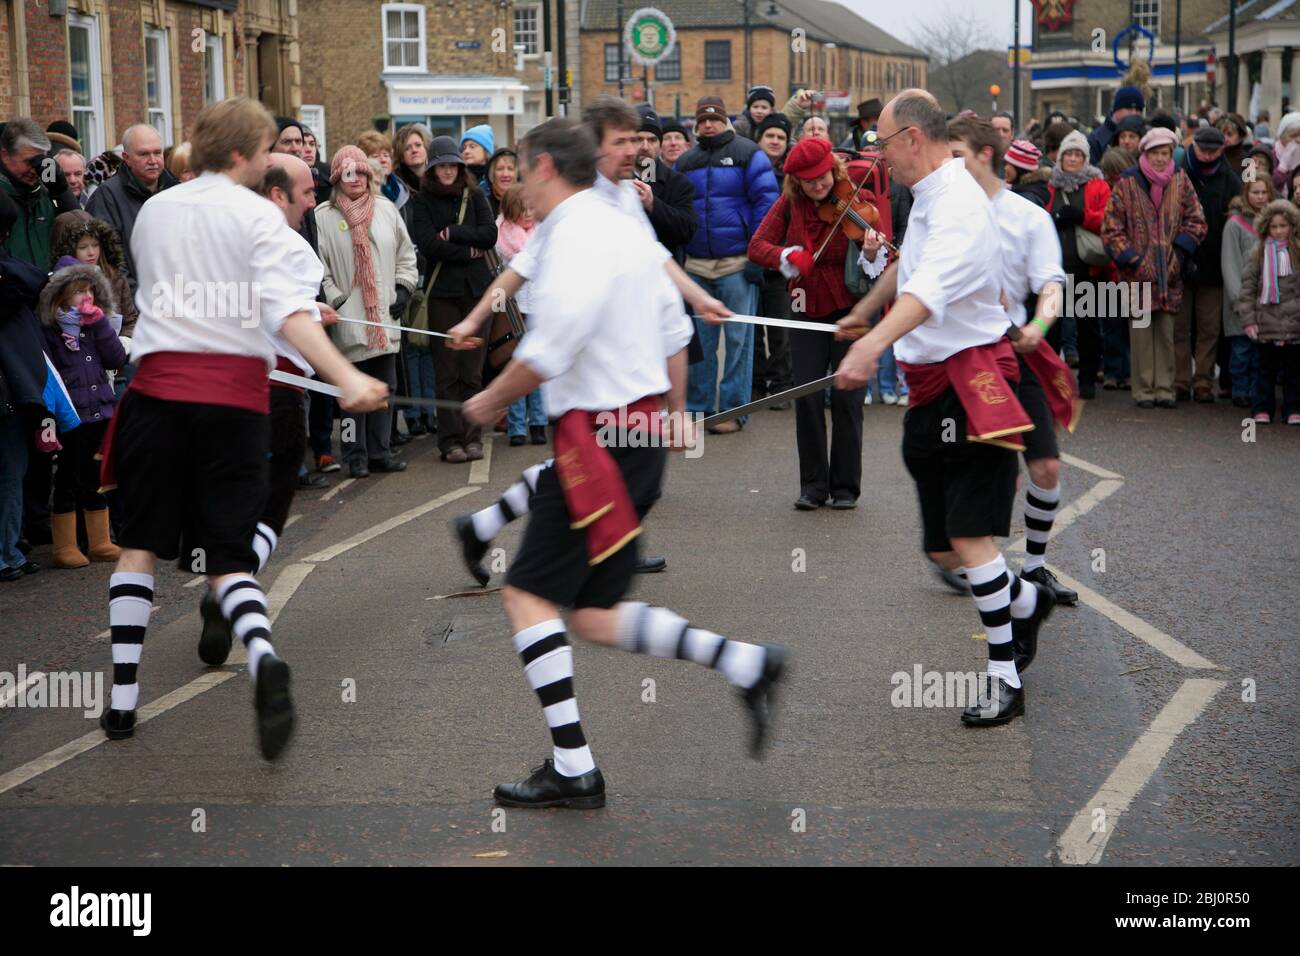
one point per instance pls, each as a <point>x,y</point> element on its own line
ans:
<point>596,348</point>
<point>947,326</point>
<point>1031,269</point>
<point>187,449</point>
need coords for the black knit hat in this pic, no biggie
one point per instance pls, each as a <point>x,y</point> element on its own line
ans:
<point>760,93</point>
<point>673,126</point>
<point>1132,124</point>
<point>771,120</point>
<point>650,122</point>
<point>284,122</point>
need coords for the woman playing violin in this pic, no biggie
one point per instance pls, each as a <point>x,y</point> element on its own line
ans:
<point>810,251</point>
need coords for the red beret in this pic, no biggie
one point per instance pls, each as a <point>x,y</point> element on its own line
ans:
<point>810,159</point>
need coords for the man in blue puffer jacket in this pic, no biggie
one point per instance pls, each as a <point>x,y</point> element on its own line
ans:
<point>734,188</point>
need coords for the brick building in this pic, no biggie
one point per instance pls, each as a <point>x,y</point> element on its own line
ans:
<point>451,64</point>
<point>105,65</point>
<point>786,44</point>
<point>1073,67</point>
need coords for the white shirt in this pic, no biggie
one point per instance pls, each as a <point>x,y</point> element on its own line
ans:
<point>952,261</point>
<point>219,270</point>
<point>597,332</point>
<point>1031,251</point>
<point>301,258</point>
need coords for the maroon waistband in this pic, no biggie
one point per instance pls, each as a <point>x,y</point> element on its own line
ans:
<point>210,378</point>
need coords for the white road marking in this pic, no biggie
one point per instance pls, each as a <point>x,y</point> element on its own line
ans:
<point>481,469</point>
<point>1079,844</point>
<point>1090,468</point>
<point>389,525</point>
<point>286,583</point>
<point>9,696</point>
<point>1176,651</point>
<point>195,582</point>
<point>1076,509</point>
<point>291,521</point>
<point>335,490</point>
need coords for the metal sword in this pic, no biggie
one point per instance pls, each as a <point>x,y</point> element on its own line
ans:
<point>301,381</point>
<point>799,391</point>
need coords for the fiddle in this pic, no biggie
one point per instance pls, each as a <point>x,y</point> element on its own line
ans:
<point>845,208</point>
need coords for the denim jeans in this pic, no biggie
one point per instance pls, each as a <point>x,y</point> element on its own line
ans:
<point>703,393</point>
<point>1114,349</point>
<point>419,377</point>
<point>1069,334</point>
<point>1244,367</point>
<point>886,374</point>
<point>13,465</point>
<point>531,408</point>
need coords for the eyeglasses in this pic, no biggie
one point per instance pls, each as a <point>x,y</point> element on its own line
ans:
<point>874,139</point>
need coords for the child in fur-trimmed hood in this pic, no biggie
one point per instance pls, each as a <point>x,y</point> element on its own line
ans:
<point>1269,307</point>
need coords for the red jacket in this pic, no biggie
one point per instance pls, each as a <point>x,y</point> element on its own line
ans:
<point>798,225</point>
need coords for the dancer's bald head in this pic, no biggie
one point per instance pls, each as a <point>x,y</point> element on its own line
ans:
<point>914,130</point>
<point>289,185</point>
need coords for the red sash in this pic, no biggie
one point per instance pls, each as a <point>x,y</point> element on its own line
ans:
<point>208,378</point>
<point>594,489</point>
<point>982,377</point>
<point>1059,384</point>
<point>283,364</point>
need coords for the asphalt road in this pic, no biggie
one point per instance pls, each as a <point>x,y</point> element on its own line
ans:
<point>1172,727</point>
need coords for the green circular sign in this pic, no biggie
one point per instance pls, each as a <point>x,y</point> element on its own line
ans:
<point>649,36</point>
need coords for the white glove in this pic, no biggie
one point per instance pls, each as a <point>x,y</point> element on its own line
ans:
<point>787,270</point>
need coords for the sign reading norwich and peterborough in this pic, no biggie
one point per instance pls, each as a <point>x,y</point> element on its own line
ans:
<point>649,36</point>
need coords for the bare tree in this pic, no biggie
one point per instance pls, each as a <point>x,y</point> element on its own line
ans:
<point>948,39</point>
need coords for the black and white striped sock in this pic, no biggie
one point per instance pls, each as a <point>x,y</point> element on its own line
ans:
<point>657,631</point>
<point>548,666</point>
<point>130,599</point>
<point>511,505</point>
<point>264,542</point>
<point>991,587</point>
<point>244,606</point>
<point>1040,512</point>
<point>1024,598</point>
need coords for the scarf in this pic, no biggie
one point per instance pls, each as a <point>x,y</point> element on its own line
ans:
<point>358,214</point>
<point>70,326</point>
<point>1198,171</point>
<point>1277,264</point>
<point>1158,180</point>
<point>1069,182</point>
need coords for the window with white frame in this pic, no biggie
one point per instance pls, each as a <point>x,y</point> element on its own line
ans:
<point>403,37</point>
<point>528,29</point>
<point>1146,13</point>
<point>669,69</point>
<point>214,69</point>
<point>87,87</point>
<point>314,117</point>
<point>158,82</point>
<point>611,63</point>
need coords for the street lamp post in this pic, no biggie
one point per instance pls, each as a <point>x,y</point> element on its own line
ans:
<point>1232,55</point>
<point>1178,54</point>
<point>1015,71</point>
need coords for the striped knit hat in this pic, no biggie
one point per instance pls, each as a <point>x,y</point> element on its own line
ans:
<point>1023,154</point>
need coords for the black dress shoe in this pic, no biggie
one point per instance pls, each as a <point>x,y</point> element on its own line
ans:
<point>358,470</point>
<point>10,574</point>
<point>1046,578</point>
<point>472,549</point>
<point>416,428</point>
<point>1166,403</point>
<point>387,465</point>
<point>215,640</point>
<point>517,440</point>
<point>117,724</point>
<point>1000,703</point>
<point>844,503</point>
<point>309,480</point>
<point>760,699</point>
<point>952,579</point>
<point>1024,631</point>
<point>397,439</point>
<point>647,564</point>
<point>274,707</point>
<point>547,787</point>
<point>806,503</point>
<point>29,567</point>
<point>537,434</point>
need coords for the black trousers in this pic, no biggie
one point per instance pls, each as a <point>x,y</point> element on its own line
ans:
<point>288,445</point>
<point>76,478</point>
<point>814,355</point>
<point>37,482</point>
<point>773,368</point>
<point>366,436</point>
<point>457,375</point>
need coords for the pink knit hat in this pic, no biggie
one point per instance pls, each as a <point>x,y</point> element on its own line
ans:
<point>349,157</point>
<point>1158,136</point>
<point>1023,154</point>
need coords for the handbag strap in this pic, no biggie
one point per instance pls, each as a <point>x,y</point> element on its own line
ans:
<point>460,220</point>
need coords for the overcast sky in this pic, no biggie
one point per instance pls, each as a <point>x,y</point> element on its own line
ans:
<point>897,17</point>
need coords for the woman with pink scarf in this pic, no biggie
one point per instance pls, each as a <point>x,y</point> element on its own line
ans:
<point>1152,226</point>
<point>370,273</point>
